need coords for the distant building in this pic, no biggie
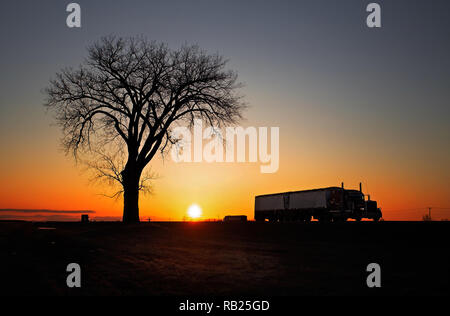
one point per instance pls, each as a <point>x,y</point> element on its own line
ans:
<point>235,218</point>
<point>85,218</point>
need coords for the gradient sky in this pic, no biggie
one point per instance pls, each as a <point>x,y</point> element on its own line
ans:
<point>352,103</point>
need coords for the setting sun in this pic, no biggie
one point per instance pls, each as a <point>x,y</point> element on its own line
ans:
<point>194,211</point>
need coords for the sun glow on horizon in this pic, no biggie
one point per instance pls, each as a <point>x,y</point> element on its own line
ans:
<point>194,211</point>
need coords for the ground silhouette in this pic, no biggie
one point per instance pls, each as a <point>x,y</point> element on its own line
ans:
<point>219,258</point>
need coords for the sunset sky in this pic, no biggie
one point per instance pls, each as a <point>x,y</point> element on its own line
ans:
<point>353,104</point>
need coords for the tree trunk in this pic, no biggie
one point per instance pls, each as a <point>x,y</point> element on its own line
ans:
<point>130,196</point>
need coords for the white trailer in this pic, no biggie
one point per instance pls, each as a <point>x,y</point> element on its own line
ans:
<point>325,204</point>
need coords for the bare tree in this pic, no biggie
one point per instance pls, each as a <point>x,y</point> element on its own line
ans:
<point>128,94</point>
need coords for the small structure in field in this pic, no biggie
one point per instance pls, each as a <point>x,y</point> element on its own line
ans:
<point>85,218</point>
<point>235,218</point>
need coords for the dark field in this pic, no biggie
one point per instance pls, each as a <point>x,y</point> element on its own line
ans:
<point>225,258</point>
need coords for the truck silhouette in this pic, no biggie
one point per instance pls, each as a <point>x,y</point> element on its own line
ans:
<point>326,205</point>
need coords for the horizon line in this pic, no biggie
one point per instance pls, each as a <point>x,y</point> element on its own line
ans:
<point>19,210</point>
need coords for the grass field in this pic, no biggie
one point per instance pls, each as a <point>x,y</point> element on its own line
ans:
<point>215,258</point>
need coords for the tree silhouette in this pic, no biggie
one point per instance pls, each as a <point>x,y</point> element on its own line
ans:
<point>125,98</point>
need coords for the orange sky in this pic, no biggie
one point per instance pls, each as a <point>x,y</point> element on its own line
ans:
<point>40,176</point>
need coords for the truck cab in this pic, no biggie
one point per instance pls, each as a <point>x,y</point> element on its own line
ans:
<point>371,210</point>
<point>356,207</point>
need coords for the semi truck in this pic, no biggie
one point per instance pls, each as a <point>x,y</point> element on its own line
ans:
<point>330,204</point>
